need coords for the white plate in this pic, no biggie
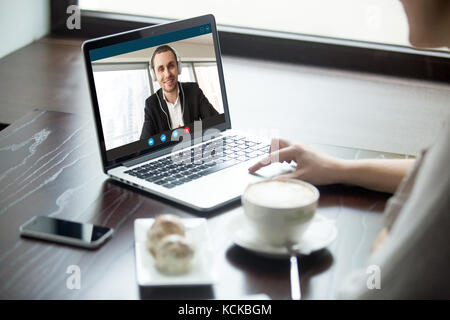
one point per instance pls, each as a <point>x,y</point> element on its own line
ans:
<point>319,235</point>
<point>202,270</point>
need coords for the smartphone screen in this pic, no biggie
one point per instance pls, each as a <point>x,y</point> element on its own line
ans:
<point>79,232</point>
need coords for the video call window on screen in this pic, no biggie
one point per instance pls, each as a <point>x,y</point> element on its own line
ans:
<point>138,102</point>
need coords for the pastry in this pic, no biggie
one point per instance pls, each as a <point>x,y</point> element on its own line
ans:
<point>173,254</point>
<point>163,226</point>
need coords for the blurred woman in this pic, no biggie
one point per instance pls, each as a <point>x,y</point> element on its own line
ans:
<point>412,251</point>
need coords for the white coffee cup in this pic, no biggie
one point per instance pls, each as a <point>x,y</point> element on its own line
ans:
<point>280,210</point>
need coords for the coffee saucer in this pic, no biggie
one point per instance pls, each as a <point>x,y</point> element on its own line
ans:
<point>320,233</point>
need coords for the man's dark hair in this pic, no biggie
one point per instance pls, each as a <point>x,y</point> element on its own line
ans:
<point>162,49</point>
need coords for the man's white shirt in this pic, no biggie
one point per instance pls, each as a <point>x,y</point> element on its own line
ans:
<point>176,116</point>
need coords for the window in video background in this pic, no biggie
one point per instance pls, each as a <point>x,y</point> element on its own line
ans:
<point>123,83</point>
<point>120,104</point>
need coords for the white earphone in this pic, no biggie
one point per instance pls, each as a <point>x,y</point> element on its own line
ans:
<point>152,72</point>
<point>182,107</point>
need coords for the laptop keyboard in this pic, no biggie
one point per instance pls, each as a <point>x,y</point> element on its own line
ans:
<point>175,170</point>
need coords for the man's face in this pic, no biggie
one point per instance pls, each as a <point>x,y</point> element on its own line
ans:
<point>166,70</point>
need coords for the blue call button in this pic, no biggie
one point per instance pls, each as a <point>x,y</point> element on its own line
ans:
<point>151,141</point>
<point>163,137</point>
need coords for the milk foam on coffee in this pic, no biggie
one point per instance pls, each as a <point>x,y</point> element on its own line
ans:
<point>279,194</point>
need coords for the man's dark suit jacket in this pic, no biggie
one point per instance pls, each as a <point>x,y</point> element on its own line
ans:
<point>196,107</point>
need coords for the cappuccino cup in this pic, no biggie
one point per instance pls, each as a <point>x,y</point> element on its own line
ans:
<point>280,210</point>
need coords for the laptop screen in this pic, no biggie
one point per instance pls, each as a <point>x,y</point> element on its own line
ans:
<point>152,90</point>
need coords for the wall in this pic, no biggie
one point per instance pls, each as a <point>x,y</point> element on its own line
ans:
<point>22,22</point>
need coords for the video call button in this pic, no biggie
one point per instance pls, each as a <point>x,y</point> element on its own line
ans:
<point>163,137</point>
<point>151,141</point>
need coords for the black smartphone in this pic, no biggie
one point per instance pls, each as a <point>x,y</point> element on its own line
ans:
<point>64,231</point>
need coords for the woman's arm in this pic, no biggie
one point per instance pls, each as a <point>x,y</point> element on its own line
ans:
<point>321,169</point>
<point>377,174</point>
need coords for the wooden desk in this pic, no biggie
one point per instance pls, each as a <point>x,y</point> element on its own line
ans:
<point>50,166</point>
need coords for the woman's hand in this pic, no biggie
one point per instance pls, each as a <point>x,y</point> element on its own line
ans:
<point>312,166</point>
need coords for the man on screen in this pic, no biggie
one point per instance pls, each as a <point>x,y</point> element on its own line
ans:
<point>176,103</point>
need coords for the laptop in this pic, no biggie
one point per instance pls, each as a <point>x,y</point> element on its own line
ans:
<point>162,117</point>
